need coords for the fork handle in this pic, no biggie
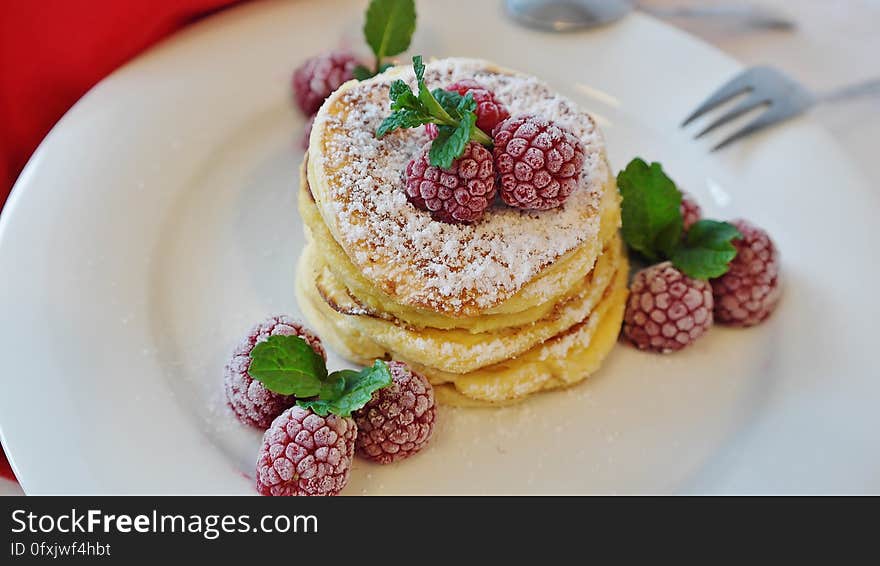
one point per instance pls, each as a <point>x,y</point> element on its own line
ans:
<point>864,88</point>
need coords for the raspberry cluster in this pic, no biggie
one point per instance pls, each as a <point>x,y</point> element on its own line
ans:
<point>535,163</point>
<point>667,310</point>
<point>309,443</point>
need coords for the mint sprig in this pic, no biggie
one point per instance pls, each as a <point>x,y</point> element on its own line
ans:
<point>653,225</point>
<point>388,29</point>
<point>351,390</point>
<point>288,365</point>
<point>454,115</point>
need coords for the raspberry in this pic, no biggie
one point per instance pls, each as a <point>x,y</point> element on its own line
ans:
<point>690,211</point>
<point>538,162</point>
<point>666,310</point>
<point>305,454</point>
<point>432,131</point>
<point>458,194</point>
<point>398,420</point>
<point>251,402</point>
<point>490,112</point>
<point>750,290</point>
<point>319,76</point>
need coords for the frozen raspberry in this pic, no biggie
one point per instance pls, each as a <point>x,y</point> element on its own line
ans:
<point>750,290</point>
<point>666,310</point>
<point>538,162</point>
<point>319,76</point>
<point>490,112</point>
<point>398,420</point>
<point>305,454</point>
<point>251,402</point>
<point>690,211</point>
<point>458,194</point>
<point>432,131</point>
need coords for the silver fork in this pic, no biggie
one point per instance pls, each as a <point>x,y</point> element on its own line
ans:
<point>782,96</point>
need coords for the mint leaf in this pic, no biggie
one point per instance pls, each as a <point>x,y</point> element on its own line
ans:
<point>449,100</point>
<point>402,97</point>
<point>334,386</point>
<point>401,119</point>
<point>706,251</point>
<point>362,73</point>
<point>407,110</point>
<point>651,210</point>
<point>384,67</point>
<point>450,142</point>
<point>466,104</point>
<point>419,69</point>
<point>426,97</point>
<point>356,390</point>
<point>287,365</point>
<point>389,26</point>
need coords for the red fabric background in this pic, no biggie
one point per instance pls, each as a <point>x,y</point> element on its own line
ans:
<point>5,470</point>
<point>53,51</point>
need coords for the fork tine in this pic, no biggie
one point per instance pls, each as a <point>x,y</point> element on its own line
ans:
<point>737,85</point>
<point>768,118</point>
<point>753,101</point>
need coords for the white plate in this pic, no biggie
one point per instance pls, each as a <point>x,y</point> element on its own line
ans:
<point>156,223</point>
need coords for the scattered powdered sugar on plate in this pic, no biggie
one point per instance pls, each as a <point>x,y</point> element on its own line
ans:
<point>423,262</point>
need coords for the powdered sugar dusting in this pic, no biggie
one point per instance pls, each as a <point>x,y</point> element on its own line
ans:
<point>427,263</point>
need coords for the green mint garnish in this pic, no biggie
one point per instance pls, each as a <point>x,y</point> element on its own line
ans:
<point>652,224</point>
<point>451,142</point>
<point>388,29</point>
<point>287,365</point>
<point>351,390</point>
<point>362,73</point>
<point>651,209</point>
<point>706,251</point>
<point>454,115</point>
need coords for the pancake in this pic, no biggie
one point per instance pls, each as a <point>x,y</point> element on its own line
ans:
<point>560,281</point>
<point>561,361</point>
<point>460,351</point>
<point>517,303</point>
<point>453,269</point>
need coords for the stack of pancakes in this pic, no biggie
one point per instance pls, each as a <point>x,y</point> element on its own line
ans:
<point>490,313</point>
